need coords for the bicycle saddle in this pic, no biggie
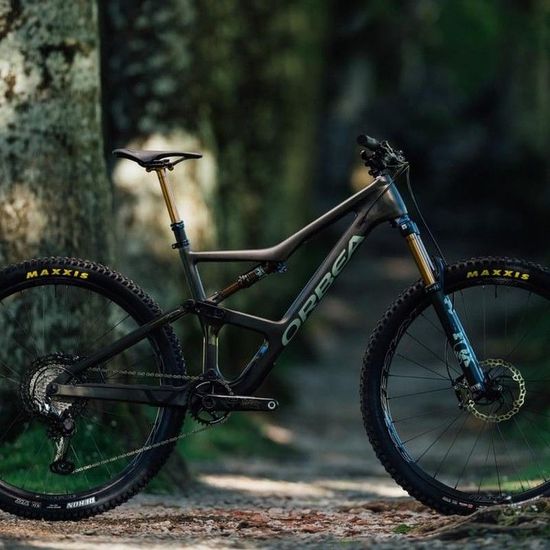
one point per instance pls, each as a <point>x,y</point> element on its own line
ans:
<point>155,159</point>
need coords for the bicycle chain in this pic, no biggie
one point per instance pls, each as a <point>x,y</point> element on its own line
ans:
<point>154,445</point>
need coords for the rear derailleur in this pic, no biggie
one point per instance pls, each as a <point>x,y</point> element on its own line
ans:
<point>59,416</point>
<point>60,431</point>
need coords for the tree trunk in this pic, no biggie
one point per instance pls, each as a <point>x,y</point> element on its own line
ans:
<point>55,197</point>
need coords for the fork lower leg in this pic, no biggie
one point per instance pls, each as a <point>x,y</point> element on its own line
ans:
<point>450,321</point>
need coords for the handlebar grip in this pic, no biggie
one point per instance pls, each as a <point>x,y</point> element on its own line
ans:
<point>368,142</point>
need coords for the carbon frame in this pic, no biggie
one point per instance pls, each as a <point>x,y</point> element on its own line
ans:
<point>379,202</point>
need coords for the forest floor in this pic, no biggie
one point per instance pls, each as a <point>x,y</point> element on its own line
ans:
<point>333,494</point>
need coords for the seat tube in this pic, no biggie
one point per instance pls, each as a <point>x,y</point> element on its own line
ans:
<point>450,321</point>
<point>182,242</point>
<point>210,366</point>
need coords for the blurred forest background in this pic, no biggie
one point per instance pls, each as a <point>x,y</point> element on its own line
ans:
<point>274,98</point>
<point>273,95</point>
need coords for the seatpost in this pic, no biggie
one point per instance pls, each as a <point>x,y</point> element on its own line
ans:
<point>182,243</point>
<point>168,196</point>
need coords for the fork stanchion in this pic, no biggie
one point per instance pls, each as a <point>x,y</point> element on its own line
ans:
<point>422,259</point>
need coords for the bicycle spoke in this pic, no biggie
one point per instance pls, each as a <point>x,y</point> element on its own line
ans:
<point>439,437</point>
<point>426,432</point>
<point>419,393</point>
<point>438,328</point>
<point>481,478</point>
<point>421,366</point>
<point>438,379</point>
<point>436,473</point>
<point>407,333</point>
<point>429,413</point>
<point>524,316</point>
<point>15,321</point>
<point>511,459</point>
<point>481,430</point>
<point>496,463</point>
<point>47,324</point>
<point>108,331</point>
<point>533,454</point>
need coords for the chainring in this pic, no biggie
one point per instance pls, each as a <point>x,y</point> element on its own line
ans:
<point>197,409</point>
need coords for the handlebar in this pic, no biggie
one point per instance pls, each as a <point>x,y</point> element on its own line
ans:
<point>368,142</point>
<point>380,156</point>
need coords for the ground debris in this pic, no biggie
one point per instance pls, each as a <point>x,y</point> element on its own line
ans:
<point>530,519</point>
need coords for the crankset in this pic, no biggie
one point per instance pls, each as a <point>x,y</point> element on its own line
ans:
<point>213,400</point>
<point>231,403</point>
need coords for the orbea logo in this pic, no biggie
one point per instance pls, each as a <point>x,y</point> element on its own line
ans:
<point>321,289</point>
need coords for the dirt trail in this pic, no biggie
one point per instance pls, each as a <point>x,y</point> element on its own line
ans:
<point>336,496</point>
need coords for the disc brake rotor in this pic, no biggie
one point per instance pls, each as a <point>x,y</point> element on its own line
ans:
<point>511,388</point>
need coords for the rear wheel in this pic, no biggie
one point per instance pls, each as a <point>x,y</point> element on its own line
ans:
<point>448,449</point>
<point>52,312</point>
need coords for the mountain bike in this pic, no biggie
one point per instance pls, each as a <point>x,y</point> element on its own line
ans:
<point>94,388</point>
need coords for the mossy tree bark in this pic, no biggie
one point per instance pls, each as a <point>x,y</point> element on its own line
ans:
<point>55,197</point>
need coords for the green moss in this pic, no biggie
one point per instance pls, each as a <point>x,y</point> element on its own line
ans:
<point>242,435</point>
<point>402,529</point>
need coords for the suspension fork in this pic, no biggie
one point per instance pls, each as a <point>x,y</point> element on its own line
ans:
<point>450,321</point>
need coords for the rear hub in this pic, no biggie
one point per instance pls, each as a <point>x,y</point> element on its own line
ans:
<point>41,373</point>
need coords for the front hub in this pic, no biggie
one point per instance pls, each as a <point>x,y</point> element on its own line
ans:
<point>504,394</point>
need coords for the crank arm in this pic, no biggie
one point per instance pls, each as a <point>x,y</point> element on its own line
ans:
<point>230,403</point>
<point>163,396</point>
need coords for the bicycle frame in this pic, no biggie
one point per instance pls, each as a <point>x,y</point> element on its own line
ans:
<point>377,203</point>
<point>373,205</point>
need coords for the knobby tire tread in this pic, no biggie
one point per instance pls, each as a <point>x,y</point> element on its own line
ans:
<point>151,468</point>
<point>373,363</point>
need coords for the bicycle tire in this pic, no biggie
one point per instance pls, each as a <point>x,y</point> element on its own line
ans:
<point>381,352</point>
<point>117,289</point>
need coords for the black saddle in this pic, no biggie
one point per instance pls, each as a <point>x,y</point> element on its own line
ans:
<point>155,159</point>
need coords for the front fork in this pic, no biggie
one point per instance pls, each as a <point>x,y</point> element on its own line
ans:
<point>433,279</point>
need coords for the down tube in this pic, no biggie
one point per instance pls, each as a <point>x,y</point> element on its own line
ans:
<point>259,367</point>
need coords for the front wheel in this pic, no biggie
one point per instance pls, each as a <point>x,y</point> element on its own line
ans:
<point>450,450</point>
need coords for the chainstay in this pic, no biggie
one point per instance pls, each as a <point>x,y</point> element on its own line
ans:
<point>154,445</point>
